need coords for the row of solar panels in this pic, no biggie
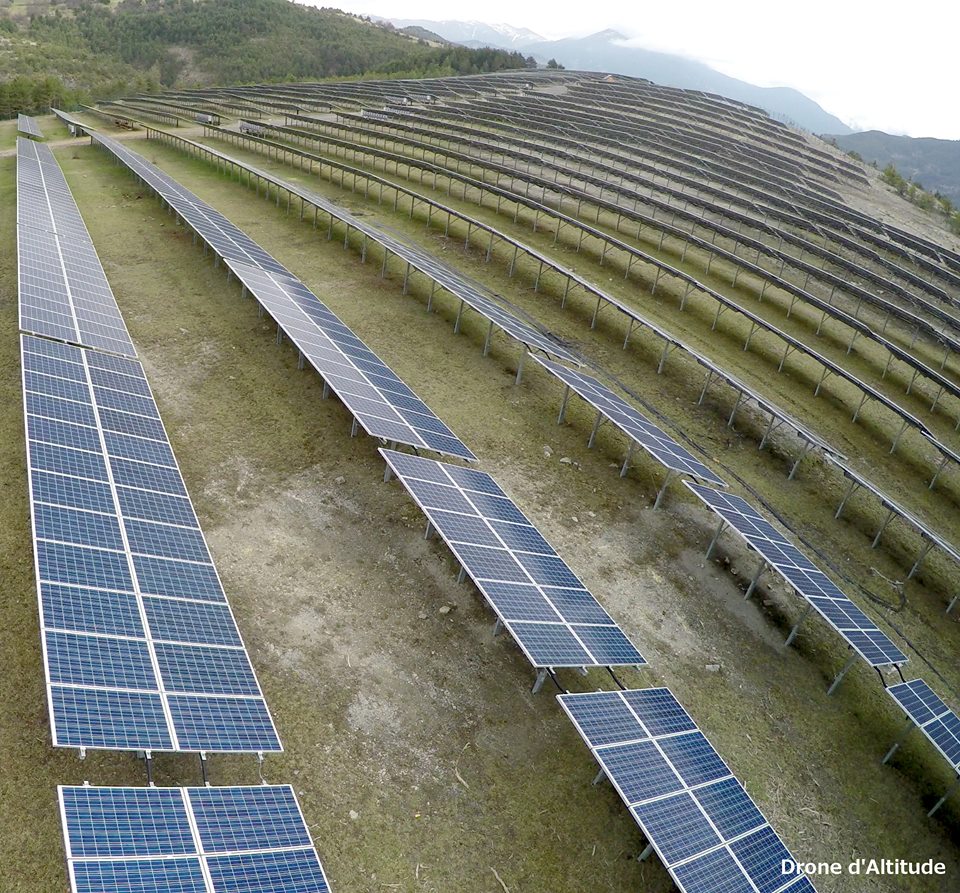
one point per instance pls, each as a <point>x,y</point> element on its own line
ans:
<point>141,649</point>
<point>532,591</point>
<point>819,210</point>
<point>860,632</point>
<point>470,293</point>
<point>531,612</point>
<point>426,132</point>
<point>812,441</point>
<point>555,620</point>
<point>628,211</point>
<point>932,538</point>
<point>779,415</point>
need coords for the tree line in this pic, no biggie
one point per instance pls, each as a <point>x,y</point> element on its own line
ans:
<point>94,52</point>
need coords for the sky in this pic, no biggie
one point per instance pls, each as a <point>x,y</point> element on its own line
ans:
<point>896,71</point>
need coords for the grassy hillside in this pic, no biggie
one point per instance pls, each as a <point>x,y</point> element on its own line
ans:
<point>932,162</point>
<point>63,52</point>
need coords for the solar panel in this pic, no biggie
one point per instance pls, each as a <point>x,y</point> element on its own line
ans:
<point>862,634</point>
<point>63,291</point>
<point>634,424</point>
<point>555,620</point>
<point>379,400</point>
<point>692,810</point>
<point>28,126</point>
<point>188,840</point>
<point>383,405</point>
<point>932,716</point>
<point>141,648</point>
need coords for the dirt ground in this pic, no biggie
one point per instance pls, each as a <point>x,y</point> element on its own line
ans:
<point>422,760</point>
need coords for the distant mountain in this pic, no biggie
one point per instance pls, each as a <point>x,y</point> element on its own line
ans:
<point>933,163</point>
<point>475,33</point>
<point>608,51</point>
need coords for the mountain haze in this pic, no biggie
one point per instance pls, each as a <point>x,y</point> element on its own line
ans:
<point>933,163</point>
<point>475,33</point>
<point>608,51</point>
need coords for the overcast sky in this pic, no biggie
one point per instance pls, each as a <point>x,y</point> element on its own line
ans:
<point>875,68</point>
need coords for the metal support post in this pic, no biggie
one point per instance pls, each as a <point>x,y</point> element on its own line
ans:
<point>796,627</point>
<point>593,433</point>
<point>713,542</point>
<point>896,744</point>
<point>756,578</point>
<point>523,356</point>
<point>876,539</point>
<point>541,678</point>
<point>563,404</point>
<point>839,677</point>
<point>943,799</point>
<point>626,459</point>
<point>663,488</point>
<point>923,554</point>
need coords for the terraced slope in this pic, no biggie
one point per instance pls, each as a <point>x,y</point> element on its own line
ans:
<point>656,234</point>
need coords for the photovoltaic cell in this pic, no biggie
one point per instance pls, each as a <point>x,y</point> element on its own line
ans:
<point>932,716</point>
<point>862,634</point>
<point>63,292</point>
<point>553,617</point>
<point>692,810</point>
<point>190,840</point>
<point>141,649</point>
<point>634,424</point>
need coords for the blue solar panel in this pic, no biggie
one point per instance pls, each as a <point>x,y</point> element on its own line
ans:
<point>63,292</point>
<point>934,718</point>
<point>297,871</point>
<point>141,875</point>
<point>135,619</point>
<point>678,825</point>
<point>863,635</point>
<point>118,720</point>
<point>195,840</point>
<point>554,618</point>
<point>235,819</point>
<point>693,812</point>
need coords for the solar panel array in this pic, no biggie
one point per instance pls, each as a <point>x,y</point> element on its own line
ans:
<point>141,648</point>
<point>863,635</point>
<point>188,840</point>
<point>64,293</point>
<point>380,401</point>
<point>28,126</point>
<point>554,618</point>
<point>634,424</point>
<point>383,405</point>
<point>934,718</point>
<point>692,810</point>
<point>460,286</point>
